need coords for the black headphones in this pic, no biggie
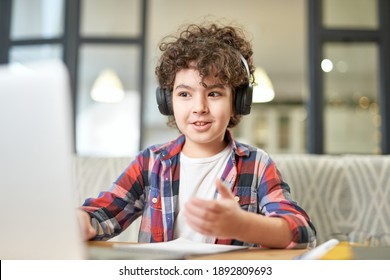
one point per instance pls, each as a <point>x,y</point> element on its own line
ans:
<point>242,102</point>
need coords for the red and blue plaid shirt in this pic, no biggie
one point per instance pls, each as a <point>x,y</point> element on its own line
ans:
<point>150,187</point>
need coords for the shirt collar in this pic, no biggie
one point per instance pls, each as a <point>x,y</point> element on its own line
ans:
<point>172,148</point>
<point>238,148</point>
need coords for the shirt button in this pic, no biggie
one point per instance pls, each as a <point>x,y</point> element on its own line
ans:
<point>154,200</point>
<point>237,199</point>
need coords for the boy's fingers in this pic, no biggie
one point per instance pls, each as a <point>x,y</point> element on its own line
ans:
<point>223,190</point>
<point>88,231</point>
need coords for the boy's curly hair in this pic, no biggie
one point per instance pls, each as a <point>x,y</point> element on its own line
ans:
<point>213,49</point>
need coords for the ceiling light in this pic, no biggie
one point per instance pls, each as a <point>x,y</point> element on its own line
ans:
<point>326,65</point>
<point>107,88</point>
<point>263,91</point>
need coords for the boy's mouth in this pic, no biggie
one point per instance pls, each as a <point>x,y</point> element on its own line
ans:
<point>200,123</point>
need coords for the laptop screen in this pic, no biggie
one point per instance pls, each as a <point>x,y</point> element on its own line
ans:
<point>37,211</point>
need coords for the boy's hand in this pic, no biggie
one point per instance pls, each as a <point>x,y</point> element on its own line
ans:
<point>219,218</point>
<point>87,230</point>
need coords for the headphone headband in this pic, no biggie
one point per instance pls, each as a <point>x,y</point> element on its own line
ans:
<point>246,66</point>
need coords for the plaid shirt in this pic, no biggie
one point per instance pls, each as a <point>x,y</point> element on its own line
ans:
<point>150,187</point>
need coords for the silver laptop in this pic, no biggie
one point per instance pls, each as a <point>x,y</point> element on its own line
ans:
<point>37,214</point>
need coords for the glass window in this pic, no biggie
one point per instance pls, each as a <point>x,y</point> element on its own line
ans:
<point>108,101</point>
<point>284,133</point>
<point>109,18</point>
<point>37,19</point>
<point>35,53</point>
<point>276,128</point>
<point>352,14</point>
<point>351,86</point>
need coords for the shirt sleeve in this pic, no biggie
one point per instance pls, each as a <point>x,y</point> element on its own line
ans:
<point>275,201</point>
<point>114,210</point>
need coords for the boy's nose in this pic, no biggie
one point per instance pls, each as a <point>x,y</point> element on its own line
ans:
<point>200,106</point>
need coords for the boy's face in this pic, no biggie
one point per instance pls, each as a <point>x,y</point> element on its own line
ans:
<point>202,112</point>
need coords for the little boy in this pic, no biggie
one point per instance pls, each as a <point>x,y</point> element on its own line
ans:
<point>203,186</point>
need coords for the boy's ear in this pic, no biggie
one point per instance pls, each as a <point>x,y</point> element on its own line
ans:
<point>164,101</point>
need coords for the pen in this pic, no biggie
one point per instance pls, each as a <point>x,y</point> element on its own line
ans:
<point>319,251</point>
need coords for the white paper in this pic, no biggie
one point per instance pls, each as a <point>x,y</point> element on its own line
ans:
<point>182,246</point>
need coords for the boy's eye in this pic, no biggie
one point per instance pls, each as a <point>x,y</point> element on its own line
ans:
<point>214,94</point>
<point>184,94</point>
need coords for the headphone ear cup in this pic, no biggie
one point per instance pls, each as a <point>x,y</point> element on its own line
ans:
<point>247,102</point>
<point>164,101</point>
<point>243,100</point>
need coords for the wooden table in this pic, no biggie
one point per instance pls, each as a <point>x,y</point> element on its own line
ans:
<point>245,254</point>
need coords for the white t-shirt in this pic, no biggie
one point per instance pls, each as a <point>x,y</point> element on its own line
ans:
<point>197,179</point>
